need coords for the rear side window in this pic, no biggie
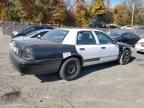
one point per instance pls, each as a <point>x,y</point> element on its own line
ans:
<point>85,38</point>
<point>55,36</point>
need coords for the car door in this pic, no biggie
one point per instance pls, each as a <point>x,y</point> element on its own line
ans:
<point>87,47</point>
<point>109,51</point>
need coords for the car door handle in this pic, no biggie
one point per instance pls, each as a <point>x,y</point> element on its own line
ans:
<point>103,47</point>
<point>82,49</point>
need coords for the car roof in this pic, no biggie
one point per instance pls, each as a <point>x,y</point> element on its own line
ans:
<point>117,32</point>
<point>121,32</point>
<point>79,29</point>
<point>41,30</point>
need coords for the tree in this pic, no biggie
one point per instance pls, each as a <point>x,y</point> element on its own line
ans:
<point>59,13</point>
<point>4,11</point>
<point>139,4</point>
<point>100,12</point>
<point>81,13</point>
<point>70,19</point>
<point>38,14</point>
<point>107,2</point>
<point>121,15</point>
<point>17,11</point>
<point>139,18</point>
<point>136,8</point>
<point>30,6</point>
<point>4,15</point>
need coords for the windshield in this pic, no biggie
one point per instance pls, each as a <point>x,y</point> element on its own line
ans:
<point>56,36</point>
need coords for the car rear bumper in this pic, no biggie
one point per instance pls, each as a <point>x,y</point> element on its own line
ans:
<point>35,67</point>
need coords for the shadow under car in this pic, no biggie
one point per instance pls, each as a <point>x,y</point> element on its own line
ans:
<point>85,71</point>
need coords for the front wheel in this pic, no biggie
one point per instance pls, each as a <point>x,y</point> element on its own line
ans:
<point>125,57</point>
<point>70,69</point>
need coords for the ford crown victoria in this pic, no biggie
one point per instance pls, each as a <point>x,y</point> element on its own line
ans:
<point>66,51</point>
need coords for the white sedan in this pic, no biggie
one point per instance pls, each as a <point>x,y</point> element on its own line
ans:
<point>140,45</point>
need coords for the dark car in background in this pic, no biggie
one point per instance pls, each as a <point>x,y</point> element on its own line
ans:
<point>125,37</point>
<point>96,24</point>
<point>29,29</point>
<point>36,34</point>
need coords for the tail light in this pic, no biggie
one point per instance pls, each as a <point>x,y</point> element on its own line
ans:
<point>27,54</point>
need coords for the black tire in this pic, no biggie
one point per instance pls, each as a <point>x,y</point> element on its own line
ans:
<point>70,69</point>
<point>125,57</point>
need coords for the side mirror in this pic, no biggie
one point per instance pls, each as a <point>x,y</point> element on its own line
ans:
<point>39,36</point>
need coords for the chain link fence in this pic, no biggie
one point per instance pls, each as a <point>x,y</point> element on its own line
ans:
<point>9,27</point>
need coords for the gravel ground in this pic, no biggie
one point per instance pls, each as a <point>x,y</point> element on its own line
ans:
<point>100,86</point>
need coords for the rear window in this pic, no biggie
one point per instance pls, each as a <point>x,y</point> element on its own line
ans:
<point>55,36</point>
<point>29,30</point>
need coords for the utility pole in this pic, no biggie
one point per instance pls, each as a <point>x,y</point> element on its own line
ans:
<point>133,12</point>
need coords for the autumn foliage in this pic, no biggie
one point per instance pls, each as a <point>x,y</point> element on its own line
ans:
<point>121,15</point>
<point>57,12</point>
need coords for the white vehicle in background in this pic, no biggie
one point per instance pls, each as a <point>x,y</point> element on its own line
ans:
<point>113,26</point>
<point>140,45</point>
<point>128,27</point>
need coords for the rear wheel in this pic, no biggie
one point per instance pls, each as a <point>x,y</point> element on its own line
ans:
<point>70,69</point>
<point>125,57</point>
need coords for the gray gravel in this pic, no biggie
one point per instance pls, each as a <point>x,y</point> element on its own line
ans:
<point>100,86</point>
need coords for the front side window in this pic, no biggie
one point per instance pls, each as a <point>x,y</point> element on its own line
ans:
<point>103,38</point>
<point>55,36</point>
<point>85,38</point>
